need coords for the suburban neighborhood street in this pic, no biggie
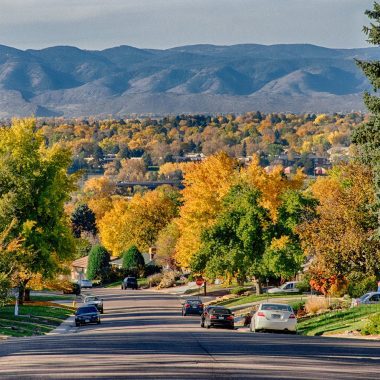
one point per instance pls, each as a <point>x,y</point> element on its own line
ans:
<point>143,335</point>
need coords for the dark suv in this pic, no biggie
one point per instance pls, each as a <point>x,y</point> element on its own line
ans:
<point>129,282</point>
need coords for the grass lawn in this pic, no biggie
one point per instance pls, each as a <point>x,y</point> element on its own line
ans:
<point>52,297</point>
<point>337,321</point>
<point>32,320</point>
<point>253,298</point>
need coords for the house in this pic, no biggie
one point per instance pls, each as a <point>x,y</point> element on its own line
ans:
<point>79,269</point>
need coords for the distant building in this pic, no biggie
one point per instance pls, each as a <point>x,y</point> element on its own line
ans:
<point>79,269</point>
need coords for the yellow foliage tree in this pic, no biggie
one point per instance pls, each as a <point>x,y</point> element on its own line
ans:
<point>138,221</point>
<point>271,184</point>
<point>205,185</point>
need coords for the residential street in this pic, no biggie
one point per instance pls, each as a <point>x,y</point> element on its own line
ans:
<point>143,335</point>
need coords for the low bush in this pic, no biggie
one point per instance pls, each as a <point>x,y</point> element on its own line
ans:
<point>297,306</point>
<point>155,279</point>
<point>304,285</point>
<point>360,283</point>
<point>239,290</point>
<point>315,305</point>
<point>168,279</point>
<point>373,325</point>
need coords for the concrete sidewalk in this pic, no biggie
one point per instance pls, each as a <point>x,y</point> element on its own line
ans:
<point>64,327</point>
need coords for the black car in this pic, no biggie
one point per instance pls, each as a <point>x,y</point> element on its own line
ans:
<point>217,316</point>
<point>87,314</point>
<point>129,282</point>
<point>192,306</point>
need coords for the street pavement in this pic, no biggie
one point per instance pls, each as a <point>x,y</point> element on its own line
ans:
<point>143,336</point>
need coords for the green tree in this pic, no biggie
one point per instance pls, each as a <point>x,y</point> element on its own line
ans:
<point>133,259</point>
<point>367,136</point>
<point>235,244</point>
<point>83,220</point>
<point>34,186</point>
<point>98,264</point>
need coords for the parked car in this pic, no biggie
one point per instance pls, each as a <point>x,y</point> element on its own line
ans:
<point>288,287</point>
<point>192,306</point>
<point>129,282</point>
<point>274,316</point>
<point>367,299</point>
<point>217,316</point>
<point>87,314</point>
<point>72,288</point>
<point>95,301</point>
<point>85,284</point>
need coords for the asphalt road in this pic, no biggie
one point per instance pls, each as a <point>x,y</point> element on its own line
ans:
<point>142,335</point>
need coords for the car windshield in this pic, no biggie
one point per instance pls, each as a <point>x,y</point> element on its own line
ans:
<point>91,299</point>
<point>220,311</point>
<point>86,310</point>
<point>285,286</point>
<point>194,302</point>
<point>362,298</point>
<point>276,307</point>
<point>130,279</point>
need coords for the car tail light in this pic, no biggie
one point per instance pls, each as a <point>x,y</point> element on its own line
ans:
<point>230,317</point>
<point>292,316</point>
<point>260,314</point>
<point>187,305</point>
<point>213,317</point>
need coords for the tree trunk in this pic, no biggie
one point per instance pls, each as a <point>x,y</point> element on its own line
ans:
<point>21,293</point>
<point>258,286</point>
<point>27,295</point>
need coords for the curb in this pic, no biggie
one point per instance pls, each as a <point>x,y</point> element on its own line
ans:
<point>64,327</point>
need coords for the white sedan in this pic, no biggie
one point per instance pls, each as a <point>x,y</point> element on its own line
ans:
<point>274,316</point>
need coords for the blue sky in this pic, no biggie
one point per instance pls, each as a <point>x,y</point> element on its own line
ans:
<point>98,24</point>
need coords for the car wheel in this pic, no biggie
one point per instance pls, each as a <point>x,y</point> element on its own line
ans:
<point>98,322</point>
<point>77,324</point>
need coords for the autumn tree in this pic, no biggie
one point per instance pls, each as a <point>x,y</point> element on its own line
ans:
<point>34,186</point>
<point>367,136</point>
<point>205,186</point>
<point>166,244</point>
<point>340,239</point>
<point>139,220</point>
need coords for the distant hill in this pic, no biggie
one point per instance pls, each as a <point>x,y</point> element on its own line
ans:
<point>67,81</point>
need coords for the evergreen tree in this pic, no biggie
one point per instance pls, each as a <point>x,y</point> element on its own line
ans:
<point>133,259</point>
<point>83,220</point>
<point>98,266</point>
<point>367,136</point>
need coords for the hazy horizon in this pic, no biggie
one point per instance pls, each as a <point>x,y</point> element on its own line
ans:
<point>164,24</point>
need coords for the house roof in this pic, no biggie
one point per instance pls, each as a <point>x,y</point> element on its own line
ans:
<point>80,263</point>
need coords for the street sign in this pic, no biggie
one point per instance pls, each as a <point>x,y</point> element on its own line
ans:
<point>199,281</point>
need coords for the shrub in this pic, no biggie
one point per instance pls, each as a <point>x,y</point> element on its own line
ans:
<point>360,283</point>
<point>168,279</point>
<point>155,279</point>
<point>373,325</point>
<point>152,269</point>
<point>304,285</point>
<point>314,305</point>
<point>239,290</point>
<point>133,259</point>
<point>98,267</point>
<point>297,306</point>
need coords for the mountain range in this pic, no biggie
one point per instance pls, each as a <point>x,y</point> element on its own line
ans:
<point>70,82</point>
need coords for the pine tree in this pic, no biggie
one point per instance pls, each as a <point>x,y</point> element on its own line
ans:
<point>367,136</point>
<point>98,263</point>
<point>133,259</point>
<point>83,220</point>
